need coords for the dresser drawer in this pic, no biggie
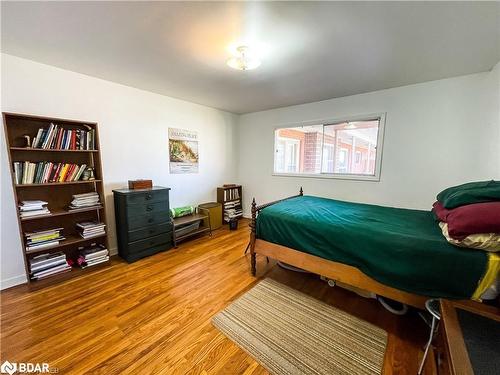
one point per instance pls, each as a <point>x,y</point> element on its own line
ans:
<point>145,208</point>
<point>150,196</point>
<point>138,246</point>
<point>141,221</point>
<point>149,231</point>
<point>132,257</point>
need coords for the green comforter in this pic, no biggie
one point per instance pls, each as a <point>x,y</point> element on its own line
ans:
<point>397,247</point>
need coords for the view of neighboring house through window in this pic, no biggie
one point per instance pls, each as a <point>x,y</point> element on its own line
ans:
<point>341,148</point>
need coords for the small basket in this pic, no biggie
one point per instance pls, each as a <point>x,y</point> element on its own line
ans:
<point>233,224</point>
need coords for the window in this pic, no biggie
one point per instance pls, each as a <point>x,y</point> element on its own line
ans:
<point>287,155</point>
<point>345,149</point>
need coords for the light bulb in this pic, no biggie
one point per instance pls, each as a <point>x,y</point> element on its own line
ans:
<point>244,60</point>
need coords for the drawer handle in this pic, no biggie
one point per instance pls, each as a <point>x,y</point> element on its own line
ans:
<point>149,196</point>
<point>150,220</point>
<point>151,231</point>
<point>149,208</point>
<point>151,243</point>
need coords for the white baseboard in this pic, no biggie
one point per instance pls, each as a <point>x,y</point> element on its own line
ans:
<point>13,281</point>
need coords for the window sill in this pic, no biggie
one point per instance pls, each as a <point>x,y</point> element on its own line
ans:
<point>355,177</point>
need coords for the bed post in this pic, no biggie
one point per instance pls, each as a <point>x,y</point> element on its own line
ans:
<point>301,192</point>
<point>252,238</point>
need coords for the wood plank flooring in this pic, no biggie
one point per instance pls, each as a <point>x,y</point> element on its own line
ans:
<point>153,316</point>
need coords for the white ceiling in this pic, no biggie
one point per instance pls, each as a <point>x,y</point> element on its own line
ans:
<point>310,50</point>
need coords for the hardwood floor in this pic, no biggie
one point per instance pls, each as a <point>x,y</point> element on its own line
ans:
<point>153,316</point>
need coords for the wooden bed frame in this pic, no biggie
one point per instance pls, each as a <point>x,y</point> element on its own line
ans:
<point>330,269</point>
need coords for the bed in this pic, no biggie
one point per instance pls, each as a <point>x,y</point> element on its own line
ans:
<point>397,253</point>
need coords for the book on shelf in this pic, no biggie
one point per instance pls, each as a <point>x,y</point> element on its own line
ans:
<point>85,200</point>
<point>232,204</point>
<point>44,239</point>
<point>45,261</point>
<point>33,208</point>
<point>90,229</point>
<point>232,214</point>
<point>96,261</point>
<point>44,172</point>
<point>45,265</point>
<point>56,137</point>
<point>231,194</point>
<point>93,255</point>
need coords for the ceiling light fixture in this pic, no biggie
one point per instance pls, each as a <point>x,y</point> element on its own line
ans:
<point>244,60</point>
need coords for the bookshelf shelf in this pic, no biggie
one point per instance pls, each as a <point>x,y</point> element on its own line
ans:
<point>72,239</point>
<point>20,127</point>
<point>57,183</point>
<point>30,149</point>
<point>55,213</point>
<point>75,272</point>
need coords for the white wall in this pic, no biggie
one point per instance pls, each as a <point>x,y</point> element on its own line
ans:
<point>133,129</point>
<point>437,134</point>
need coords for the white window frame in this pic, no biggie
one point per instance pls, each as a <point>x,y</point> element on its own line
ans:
<point>297,156</point>
<point>342,176</point>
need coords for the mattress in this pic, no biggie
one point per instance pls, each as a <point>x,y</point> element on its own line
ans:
<point>400,248</point>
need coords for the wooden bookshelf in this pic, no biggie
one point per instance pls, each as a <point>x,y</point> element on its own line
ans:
<point>28,149</point>
<point>227,195</point>
<point>57,194</point>
<point>57,183</point>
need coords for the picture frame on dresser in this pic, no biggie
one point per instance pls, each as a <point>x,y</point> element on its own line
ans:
<point>74,155</point>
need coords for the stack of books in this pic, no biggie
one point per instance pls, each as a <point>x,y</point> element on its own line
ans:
<point>85,200</point>
<point>232,209</point>
<point>90,229</point>
<point>46,265</point>
<point>232,204</point>
<point>57,138</point>
<point>33,208</point>
<point>44,239</point>
<point>43,172</point>
<point>93,255</point>
<point>232,213</point>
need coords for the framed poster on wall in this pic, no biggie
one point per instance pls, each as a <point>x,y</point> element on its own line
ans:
<point>183,150</point>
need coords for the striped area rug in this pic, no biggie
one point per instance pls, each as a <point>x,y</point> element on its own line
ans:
<point>288,332</point>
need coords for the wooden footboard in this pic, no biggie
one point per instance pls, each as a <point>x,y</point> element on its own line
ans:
<point>333,270</point>
<point>255,211</point>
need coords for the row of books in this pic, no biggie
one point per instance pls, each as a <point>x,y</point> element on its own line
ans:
<point>33,208</point>
<point>45,265</point>
<point>58,138</point>
<point>48,238</point>
<point>43,172</point>
<point>230,194</point>
<point>43,239</point>
<point>91,229</point>
<point>50,264</point>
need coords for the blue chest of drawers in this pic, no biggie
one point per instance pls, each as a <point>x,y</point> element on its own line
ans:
<point>143,222</point>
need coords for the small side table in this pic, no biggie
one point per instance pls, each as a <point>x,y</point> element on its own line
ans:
<point>432,306</point>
